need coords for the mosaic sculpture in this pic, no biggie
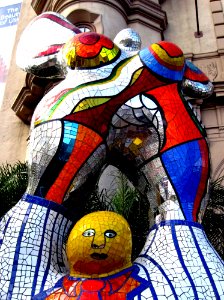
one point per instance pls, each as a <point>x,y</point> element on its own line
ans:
<point>116,105</point>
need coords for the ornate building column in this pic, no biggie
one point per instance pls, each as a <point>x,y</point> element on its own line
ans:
<point>218,19</point>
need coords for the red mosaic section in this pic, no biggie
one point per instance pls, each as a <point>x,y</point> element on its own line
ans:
<point>89,45</point>
<point>180,126</point>
<point>86,142</point>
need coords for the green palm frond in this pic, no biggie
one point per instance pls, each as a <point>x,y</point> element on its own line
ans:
<point>124,196</point>
<point>213,220</point>
<point>13,183</point>
<point>134,207</point>
<point>98,201</point>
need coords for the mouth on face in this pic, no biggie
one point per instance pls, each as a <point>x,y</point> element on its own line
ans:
<point>99,256</point>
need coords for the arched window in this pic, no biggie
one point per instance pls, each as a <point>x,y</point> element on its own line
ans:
<point>85,27</point>
<point>86,21</point>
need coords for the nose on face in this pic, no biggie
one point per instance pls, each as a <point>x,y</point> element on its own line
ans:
<point>95,246</point>
<point>98,241</point>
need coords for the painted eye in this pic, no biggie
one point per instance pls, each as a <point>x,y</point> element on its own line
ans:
<point>89,232</point>
<point>110,233</point>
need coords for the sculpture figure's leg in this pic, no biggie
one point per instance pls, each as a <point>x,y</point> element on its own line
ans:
<point>161,138</point>
<point>179,260</point>
<point>184,154</point>
<point>59,151</point>
<point>181,173</point>
<point>187,169</point>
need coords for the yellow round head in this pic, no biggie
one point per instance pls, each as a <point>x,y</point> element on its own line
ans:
<point>99,244</point>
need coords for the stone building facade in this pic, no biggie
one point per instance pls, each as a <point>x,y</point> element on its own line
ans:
<point>172,20</point>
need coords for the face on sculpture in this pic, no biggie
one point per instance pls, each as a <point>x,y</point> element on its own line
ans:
<point>99,244</point>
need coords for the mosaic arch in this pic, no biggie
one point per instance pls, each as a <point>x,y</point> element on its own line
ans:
<point>115,100</point>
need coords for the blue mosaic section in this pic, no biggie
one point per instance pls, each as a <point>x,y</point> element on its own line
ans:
<point>149,60</point>
<point>183,264</point>
<point>193,67</point>
<point>30,254</point>
<point>185,176</point>
<point>68,142</point>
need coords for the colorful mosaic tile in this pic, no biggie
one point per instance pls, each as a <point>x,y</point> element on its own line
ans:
<point>122,105</point>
